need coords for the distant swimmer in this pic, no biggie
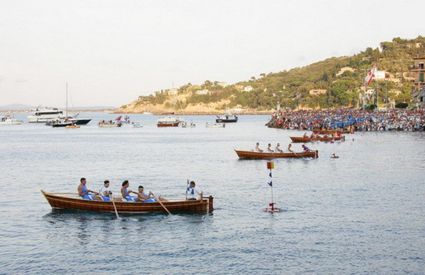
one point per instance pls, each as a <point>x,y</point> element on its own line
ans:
<point>333,156</point>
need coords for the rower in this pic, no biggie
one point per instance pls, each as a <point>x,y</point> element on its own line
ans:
<point>125,193</point>
<point>269,148</point>
<point>84,192</point>
<point>305,148</point>
<point>289,148</point>
<point>192,191</point>
<point>257,148</point>
<point>143,197</point>
<point>104,191</point>
<point>277,149</point>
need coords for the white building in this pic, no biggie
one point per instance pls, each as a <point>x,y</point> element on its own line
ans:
<point>247,89</point>
<point>202,92</point>
<point>379,75</point>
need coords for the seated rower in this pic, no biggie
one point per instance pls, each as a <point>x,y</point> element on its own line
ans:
<point>192,191</point>
<point>84,192</point>
<point>305,148</point>
<point>143,197</point>
<point>125,193</point>
<point>277,149</point>
<point>105,193</point>
<point>257,148</point>
<point>305,135</point>
<point>289,148</point>
<point>269,148</point>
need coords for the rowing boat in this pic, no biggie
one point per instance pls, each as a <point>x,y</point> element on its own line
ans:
<point>266,155</point>
<point>71,201</point>
<point>309,139</point>
<point>333,131</point>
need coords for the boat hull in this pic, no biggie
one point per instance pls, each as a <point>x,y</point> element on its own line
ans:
<point>308,139</point>
<point>332,132</point>
<point>263,155</point>
<point>80,121</point>
<point>174,124</point>
<point>63,201</point>
<point>220,120</point>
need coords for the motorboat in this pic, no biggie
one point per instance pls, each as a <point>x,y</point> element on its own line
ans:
<point>227,118</point>
<point>9,120</point>
<point>45,114</point>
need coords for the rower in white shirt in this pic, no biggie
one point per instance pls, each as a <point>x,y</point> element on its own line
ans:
<point>192,192</point>
<point>105,192</point>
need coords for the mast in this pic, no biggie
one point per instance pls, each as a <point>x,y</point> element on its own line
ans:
<point>66,102</point>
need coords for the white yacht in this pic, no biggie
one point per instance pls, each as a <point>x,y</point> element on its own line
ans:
<point>9,120</point>
<point>43,115</point>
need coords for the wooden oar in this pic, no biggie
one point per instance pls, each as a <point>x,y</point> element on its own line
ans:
<point>115,208</point>
<point>163,206</point>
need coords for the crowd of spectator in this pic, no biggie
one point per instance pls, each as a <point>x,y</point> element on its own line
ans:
<point>356,119</point>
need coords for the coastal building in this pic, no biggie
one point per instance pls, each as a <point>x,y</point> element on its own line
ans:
<point>317,92</point>
<point>418,70</point>
<point>202,92</point>
<point>172,91</point>
<point>248,88</point>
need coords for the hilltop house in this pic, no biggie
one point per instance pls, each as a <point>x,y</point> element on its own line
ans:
<point>316,92</point>
<point>202,92</point>
<point>247,89</point>
<point>418,70</point>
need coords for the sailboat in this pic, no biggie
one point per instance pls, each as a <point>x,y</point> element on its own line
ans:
<point>68,120</point>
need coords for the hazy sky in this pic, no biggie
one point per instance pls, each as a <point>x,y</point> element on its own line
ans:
<point>111,52</point>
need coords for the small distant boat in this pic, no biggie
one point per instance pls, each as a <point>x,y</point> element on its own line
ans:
<point>184,124</point>
<point>72,201</point>
<point>215,125</point>
<point>168,122</point>
<point>73,126</point>
<point>266,155</point>
<point>9,120</point>
<point>137,124</point>
<point>109,124</point>
<point>228,118</point>
<point>322,139</point>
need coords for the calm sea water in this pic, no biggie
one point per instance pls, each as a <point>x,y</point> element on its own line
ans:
<point>361,213</point>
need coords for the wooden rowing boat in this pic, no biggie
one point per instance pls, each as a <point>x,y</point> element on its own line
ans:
<point>333,131</point>
<point>265,155</point>
<point>309,139</point>
<point>74,202</point>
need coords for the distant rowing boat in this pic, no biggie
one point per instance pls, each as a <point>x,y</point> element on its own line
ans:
<point>333,131</point>
<point>75,202</point>
<point>310,139</point>
<point>266,155</point>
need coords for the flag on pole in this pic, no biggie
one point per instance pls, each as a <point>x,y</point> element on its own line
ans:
<point>370,75</point>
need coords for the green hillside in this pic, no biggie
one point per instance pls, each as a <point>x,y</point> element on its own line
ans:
<point>332,82</point>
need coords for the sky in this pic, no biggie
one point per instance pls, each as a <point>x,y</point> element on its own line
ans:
<point>112,51</point>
